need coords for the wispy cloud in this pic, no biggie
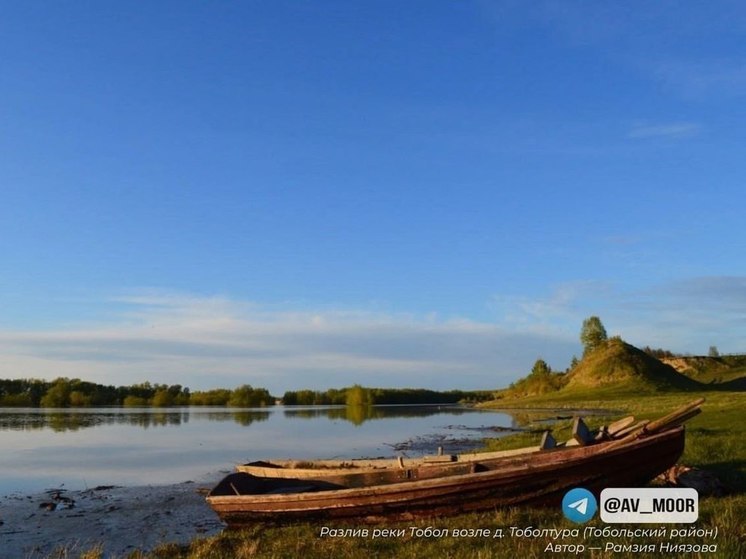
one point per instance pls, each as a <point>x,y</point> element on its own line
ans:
<point>697,79</point>
<point>651,41</point>
<point>673,130</point>
<point>204,342</point>
<point>686,315</point>
<point>561,311</point>
<point>727,292</point>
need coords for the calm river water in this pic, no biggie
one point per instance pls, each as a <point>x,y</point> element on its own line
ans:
<point>86,447</point>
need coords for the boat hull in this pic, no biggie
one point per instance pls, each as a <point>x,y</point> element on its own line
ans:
<point>534,479</point>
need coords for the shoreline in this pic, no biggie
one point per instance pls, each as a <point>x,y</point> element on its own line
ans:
<point>115,519</point>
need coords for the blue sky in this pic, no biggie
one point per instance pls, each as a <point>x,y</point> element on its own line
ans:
<point>297,194</point>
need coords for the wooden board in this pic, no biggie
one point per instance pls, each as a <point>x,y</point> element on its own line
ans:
<point>620,424</point>
<point>547,441</point>
<point>581,433</point>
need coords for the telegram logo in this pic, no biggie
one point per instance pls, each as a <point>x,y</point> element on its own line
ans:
<point>579,505</point>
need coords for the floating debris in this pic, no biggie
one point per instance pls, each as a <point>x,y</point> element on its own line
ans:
<point>58,501</point>
<point>431,443</point>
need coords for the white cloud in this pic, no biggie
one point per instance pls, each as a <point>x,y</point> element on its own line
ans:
<point>686,315</point>
<point>706,78</point>
<point>204,342</point>
<point>691,314</point>
<point>561,311</point>
<point>673,130</point>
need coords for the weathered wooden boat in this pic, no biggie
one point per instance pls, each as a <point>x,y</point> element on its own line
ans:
<point>367,471</point>
<point>475,482</point>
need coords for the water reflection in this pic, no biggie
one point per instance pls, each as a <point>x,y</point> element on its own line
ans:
<point>75,419</point>
<point>129,446</point>
<point>359,414</point>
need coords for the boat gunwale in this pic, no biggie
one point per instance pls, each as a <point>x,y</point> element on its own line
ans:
<point>284,468</point>
<point>568,455</point>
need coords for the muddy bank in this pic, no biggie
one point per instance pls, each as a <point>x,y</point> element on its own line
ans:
<point>117,519</point>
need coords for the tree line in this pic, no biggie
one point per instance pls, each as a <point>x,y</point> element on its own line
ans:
<point>65,392</point>
<point>357,395</point>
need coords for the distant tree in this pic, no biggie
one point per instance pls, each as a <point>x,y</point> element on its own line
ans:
<point>144,391</point>
<point>358,396</point>
<point>18,400</point>
<point>78,399</point>
<point>541,369</point>
<point>592,334</point>
<point>713,351</point>
<point>245,396</point>
<point>134,402</point>
<point>162,398</point>
<point>58,394</point>
<point>303,397</point>
<point>215,397</point>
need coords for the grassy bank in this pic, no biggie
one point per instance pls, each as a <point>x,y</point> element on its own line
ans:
<point>715,438</point>
<point>714,442</point>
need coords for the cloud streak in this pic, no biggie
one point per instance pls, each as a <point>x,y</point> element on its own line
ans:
<point>697,79</point>
<point>209,342</point>
<point>674,130</point>
<point>685,315</point>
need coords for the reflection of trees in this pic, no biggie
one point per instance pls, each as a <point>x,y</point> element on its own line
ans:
<point>74,420</point>
<point>246,418</point>
<point>360,414</point>
<point>64,420</point>
<point>158,419</point>
<point>60,421</point>
<point>56,421</point>
<point>242,417</point>
<point>311,413</point>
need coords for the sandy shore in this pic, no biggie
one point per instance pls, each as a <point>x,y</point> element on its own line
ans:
<point>120,519</point>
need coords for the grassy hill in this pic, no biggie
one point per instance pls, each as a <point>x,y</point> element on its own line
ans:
<point>619,364</point>
<point>614,367</point>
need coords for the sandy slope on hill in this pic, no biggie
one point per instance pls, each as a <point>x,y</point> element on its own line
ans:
<point>120,519</point>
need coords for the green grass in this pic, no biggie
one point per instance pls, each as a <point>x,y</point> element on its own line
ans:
<point>715,441</point>
<point>715,438</point>
<point>304,540</point>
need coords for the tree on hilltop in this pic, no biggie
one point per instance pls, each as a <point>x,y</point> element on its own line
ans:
<point>541,369</point>
<point>592,334</point>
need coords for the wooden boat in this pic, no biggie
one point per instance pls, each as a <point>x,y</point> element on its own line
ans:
<point>532,478</point>
<point>363,472</point>
<point>366,471</point>
<point>471,483</point>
